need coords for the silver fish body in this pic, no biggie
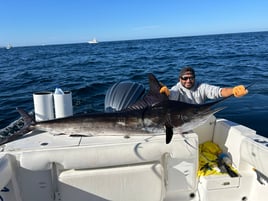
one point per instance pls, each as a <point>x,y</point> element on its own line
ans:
<point>152,114</point>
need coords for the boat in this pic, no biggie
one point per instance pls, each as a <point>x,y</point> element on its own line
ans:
<point>9,46</point>
<point>46,167</point>
<point>93,41</point>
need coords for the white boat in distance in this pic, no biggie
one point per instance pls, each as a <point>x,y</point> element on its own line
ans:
<point>93,41</point>
<point>9,46</point>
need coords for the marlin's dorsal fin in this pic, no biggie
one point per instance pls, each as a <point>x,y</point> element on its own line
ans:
<point>154,94</point>
<point>152,97</point>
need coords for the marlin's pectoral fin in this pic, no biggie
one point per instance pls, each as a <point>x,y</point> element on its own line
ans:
<point>169,133</point>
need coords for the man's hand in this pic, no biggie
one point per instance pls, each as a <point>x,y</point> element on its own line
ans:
<point>164,90</point>
<point>239,91</point>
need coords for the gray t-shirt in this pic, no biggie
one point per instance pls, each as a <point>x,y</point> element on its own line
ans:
<point>198,94</point>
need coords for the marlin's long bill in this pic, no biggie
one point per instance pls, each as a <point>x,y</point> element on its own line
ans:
<point>151,115</point>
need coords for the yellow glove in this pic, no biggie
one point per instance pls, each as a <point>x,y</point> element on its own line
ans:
<point>164,90</point>
<point>239,91</point>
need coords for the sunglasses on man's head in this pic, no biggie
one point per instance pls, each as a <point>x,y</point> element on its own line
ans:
<point>184,78</point>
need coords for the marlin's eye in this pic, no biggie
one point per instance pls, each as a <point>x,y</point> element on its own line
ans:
<point>196,111</point>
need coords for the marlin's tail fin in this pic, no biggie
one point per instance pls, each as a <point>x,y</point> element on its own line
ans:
<point>28,121</point>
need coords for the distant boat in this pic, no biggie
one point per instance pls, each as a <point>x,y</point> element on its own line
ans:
<point>8,46</point>
<point>93,41</point>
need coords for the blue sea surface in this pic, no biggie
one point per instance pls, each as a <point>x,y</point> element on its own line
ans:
<point>88,70</point>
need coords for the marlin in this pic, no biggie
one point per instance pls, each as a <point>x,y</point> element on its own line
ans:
<point>153,114</point>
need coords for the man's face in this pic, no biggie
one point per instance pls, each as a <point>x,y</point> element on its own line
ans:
<point>187,80</point>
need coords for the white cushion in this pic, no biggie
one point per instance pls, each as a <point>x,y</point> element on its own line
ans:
<point>5,171</point>
<point>84,157</point>
<point>254,150</point>
<point>132,183</point>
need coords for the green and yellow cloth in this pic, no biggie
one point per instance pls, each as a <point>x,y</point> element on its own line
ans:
<point>208,159</point>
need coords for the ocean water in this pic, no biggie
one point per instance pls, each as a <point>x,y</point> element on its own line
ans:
<point>88,70</point>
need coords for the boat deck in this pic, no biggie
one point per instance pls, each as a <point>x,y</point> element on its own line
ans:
<point>138,168</point>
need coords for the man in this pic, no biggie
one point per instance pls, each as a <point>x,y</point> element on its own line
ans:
<point>189,91</point>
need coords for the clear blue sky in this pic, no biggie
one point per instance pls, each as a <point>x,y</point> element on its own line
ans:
<point>36,22</point>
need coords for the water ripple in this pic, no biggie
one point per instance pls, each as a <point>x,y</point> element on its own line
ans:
<point>88,71</point>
